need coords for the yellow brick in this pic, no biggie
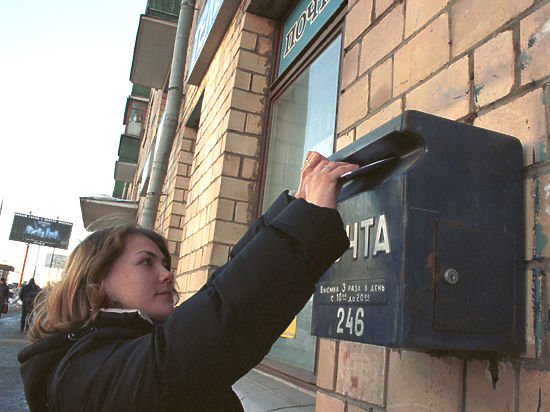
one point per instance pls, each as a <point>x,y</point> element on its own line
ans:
<point>259,83</point>
<point>413,64</point>
<point>253,62</point>
<point>246,101</point>
<point>326,363</point>
<point>265,46</point>
<point>523,118</point>
<point>242,214</point>
<point>235,188</point>
<point>381,6</point>
<point>473,20</point>
<point>250,168</point>
<point>354,359</point>
<point>350,66</point>
<point>228,232</point>
<point>446,94</point>
<point>418,12</point>
<point>353,104</point>
<point>248,40</point>
<point>327,403</point>
<point>241,144</point>
<point>534,390</point>
<point>378,119</point>
<point>220,254</point>
<point>197,280</point>
<point>381,84</point>
<point>253,124</point>
<point>242,79</point>
<point>418,382</point>
<point>535,45</point>
<point>236,120</point>
<point>258,24</point>
<point>381,39</point>
<point>345,139</point>
<point>357,20</point>
<point>223,209</point>
<point>494,69</point>
<point>231,165</point>
<point>480,394</point>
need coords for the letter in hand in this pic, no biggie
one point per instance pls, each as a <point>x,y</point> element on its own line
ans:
<point>319,180</point>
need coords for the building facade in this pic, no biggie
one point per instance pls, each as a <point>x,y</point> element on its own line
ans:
<point>267,81</point>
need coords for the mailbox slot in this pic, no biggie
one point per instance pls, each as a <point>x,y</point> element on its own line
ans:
<point>436,241</point>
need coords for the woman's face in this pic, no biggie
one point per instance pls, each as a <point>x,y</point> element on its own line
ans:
<point>140,280</point>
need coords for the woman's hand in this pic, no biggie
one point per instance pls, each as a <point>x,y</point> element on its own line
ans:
<point>319,181</point>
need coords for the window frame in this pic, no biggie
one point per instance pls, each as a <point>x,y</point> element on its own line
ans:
<point>278,85</point>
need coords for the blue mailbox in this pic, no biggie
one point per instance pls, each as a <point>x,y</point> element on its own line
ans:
<point>435,219</point>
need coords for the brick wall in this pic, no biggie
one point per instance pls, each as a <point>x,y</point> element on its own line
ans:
<point>225,158</point>
<point>485,63</point>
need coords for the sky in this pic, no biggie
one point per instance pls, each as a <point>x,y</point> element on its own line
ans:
<point>65,69</point>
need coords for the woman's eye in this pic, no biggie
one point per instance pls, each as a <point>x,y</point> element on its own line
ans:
<point>146,262</point>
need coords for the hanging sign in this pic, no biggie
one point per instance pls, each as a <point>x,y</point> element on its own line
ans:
<point>302,24</point>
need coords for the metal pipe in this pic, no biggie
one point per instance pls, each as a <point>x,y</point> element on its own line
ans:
<point>173,103</point>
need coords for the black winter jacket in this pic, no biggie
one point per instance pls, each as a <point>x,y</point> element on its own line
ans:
<point>121,362</point>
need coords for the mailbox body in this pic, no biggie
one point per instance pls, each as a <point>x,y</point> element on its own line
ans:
<point>437,241</point>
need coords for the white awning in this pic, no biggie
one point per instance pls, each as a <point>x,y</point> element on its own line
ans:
<point>153,51</point>
<point>98,207</point>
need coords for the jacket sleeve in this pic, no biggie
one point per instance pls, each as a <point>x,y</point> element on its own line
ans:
<point>225,329</point>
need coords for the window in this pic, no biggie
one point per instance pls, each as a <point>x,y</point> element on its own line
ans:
<point>303,119</point>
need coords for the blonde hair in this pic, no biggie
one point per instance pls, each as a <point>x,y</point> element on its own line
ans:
<point>78,297</point>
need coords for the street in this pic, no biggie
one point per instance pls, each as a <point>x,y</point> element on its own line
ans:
<point>12,397</point>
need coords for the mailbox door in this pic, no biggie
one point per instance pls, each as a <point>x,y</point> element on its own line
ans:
<point>357,299</point>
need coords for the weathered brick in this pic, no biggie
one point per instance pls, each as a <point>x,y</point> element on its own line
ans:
<point>257,24</point>
<point>353,103</point>
<point>381,84</point>
<point>253,124</point>
<point>250,168</point>
<point>413,64</point>
<point>494,69</point>
<point>259,83</point>
<point>418,12</point>
<point>357,20</point>
<point>242,214</point>
<point>326,363</point>
<point>235,188</point>
<point>246,101</point>
<point>378,119</point>
<point>265,46</point>
<point>534,390</point>
<point>241,144</point>
<point>473,20</point>
<point>362,372</point>
<point>418,382</point>
<point>252,61</point>
<point>382,39</point>
<point>327,403</point>
<point>350,66</point>
<point>535,45</point>
<point>523,118</point>
<point>446,94</point>
<point>381,6</point>
<point>248,40</point>
<point>481,396</point>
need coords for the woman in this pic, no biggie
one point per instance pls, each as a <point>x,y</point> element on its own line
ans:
<point>108,338</point>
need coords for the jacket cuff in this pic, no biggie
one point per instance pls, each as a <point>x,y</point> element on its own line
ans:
<point>319,230</point>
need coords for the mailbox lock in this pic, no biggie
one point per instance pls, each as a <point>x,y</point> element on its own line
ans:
<point>451,276</point>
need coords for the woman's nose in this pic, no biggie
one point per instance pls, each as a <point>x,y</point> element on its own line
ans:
<point>166,275</point>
